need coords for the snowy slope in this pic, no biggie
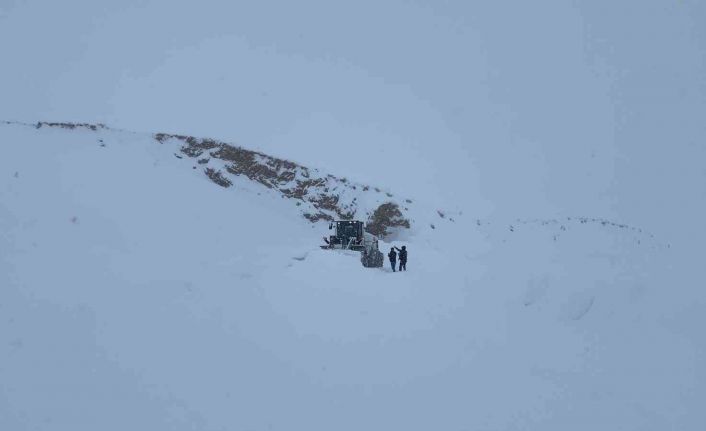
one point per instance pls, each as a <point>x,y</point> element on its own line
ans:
<point>318,195</point>
<point>137,294</point>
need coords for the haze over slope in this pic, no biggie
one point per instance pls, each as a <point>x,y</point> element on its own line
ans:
<point>542,107</point>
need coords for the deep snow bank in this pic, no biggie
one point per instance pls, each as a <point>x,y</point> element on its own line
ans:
<point>135,293</point>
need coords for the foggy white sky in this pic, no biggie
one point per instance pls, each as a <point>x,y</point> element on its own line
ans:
<point>540,108</point>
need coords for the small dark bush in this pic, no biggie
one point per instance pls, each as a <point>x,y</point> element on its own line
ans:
<point>385,217</point>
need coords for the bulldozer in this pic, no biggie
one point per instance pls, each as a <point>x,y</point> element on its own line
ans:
<point>350,235</point>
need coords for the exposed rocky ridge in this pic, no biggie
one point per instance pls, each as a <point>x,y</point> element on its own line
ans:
<point>317,195</point>
<point>557,228</point>
<point>71,126</point>
<point>320,196</point>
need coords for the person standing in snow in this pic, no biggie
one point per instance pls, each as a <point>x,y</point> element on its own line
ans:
<point>403,257</point>
<point>393,258</point>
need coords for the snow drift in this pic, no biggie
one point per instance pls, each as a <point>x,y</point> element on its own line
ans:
<point>137,294</point>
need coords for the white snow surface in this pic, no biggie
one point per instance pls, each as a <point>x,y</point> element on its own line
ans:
<point>137,294</point>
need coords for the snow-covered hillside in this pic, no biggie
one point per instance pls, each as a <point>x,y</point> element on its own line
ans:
<point>318,195</point>
<point>136,293</point>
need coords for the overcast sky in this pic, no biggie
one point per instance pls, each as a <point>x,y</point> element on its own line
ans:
<point>540,107</point>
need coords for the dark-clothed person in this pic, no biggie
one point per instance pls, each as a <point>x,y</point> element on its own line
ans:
<point>403,257</point>
<point>393,258</point>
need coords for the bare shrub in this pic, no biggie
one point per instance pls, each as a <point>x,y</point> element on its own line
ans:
<point>385,217</point>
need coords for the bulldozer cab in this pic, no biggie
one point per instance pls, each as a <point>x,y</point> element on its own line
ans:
<point>345,230</point>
